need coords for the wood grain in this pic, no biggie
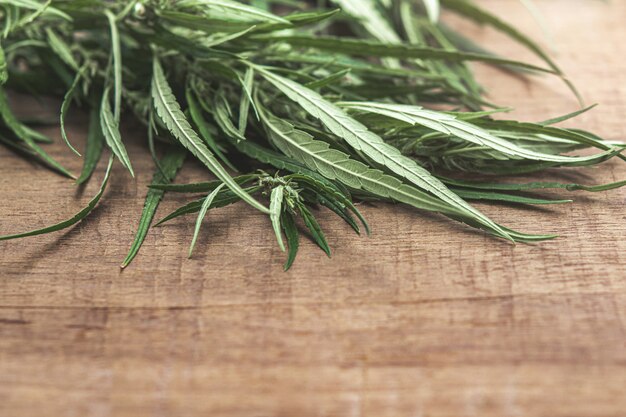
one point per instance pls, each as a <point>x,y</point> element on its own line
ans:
<point>425,318</point>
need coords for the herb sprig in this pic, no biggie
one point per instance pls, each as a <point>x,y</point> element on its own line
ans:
<point>304,112</point>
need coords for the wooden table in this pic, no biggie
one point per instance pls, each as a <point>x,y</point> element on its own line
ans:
<point>425,318</point>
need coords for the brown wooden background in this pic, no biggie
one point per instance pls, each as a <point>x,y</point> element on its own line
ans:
<point>425,318</point>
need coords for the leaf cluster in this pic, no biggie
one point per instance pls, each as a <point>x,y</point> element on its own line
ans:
<point>290,106</point>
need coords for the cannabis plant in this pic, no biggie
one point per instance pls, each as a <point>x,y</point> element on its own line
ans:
<point>290,105</point>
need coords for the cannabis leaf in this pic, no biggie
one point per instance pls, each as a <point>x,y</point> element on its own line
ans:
<point>338,166</point>
<point>203,210</point>
<point>170,113</point>
<point>233,9</point>
<point>170,164</point>
<point>449,125</point>
<point>361,139</point>
<point>111,132</point>
<point>276,207</point>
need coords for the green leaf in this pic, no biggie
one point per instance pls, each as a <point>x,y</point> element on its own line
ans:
<point>117,64</point>
<point>201,23</point>
<point>507,198</point>
<point>62,49</point>
<point>280,161</point>
<point>333,198</point>
<point>291,232</point>
<point>222,116</point>
<point>244,106</point>
<point>215,41</point>
<point>111,132</point>
<point>65,105</point>
<point>95,144</point>
<point>276,206</point>
<point>358,47</point>
<point>533,186</point>
<point>221,24</point>
<point>314,228</point>
<point>548,132</point>
<point>450,125</point>
<point>368,15</point>
<point>300,19</point>
<point>340,211</point>
<point>170,113</point>
<point>38,7</point>
<point>233,9</point>
<point>203,128</point>
<point>331,79</point>
<point>336,165</point>
<point>225,198</point>
<point>373,146</point>
<point>202,187</point>
<point>203,210</point>
<point>4,73</point>
<point>170,164</point>
<point>568,116</point>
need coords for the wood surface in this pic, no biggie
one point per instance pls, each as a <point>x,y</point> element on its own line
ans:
<point>425,318</point>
